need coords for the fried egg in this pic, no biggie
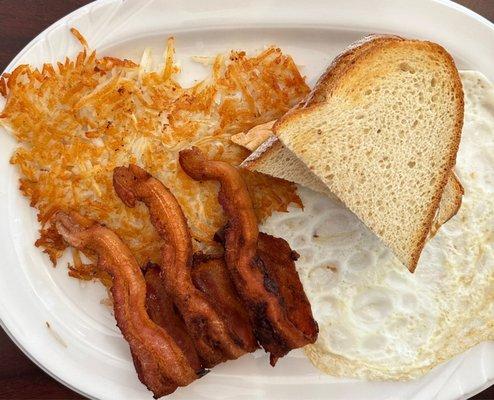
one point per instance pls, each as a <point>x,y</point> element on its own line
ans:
<point>376,319</point>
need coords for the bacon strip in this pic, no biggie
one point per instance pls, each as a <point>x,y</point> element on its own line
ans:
<point>161,310</point>
<point>279,260</point>
<point>259,277</point>
<point>216,340</point>
<point>160,363</point>
<point>210,275</point>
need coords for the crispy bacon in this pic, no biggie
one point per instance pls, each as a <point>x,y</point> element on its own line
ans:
<point>279,260</point>
<point>161,310</point>
<point>215,337</point>
<point>210,276</point>
<point>262,267</point>
<point>160,362</point>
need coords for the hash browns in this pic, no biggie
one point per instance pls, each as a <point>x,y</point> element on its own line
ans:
<point>79,119</point>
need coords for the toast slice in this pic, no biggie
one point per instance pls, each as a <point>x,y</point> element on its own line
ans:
<point>382,132</point>
<point>270,157</point>
<point>381,129</point>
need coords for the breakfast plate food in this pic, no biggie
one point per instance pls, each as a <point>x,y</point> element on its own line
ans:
<point>216,213</point>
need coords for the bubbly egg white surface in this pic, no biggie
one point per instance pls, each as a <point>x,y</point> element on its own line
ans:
<point>376,319</point>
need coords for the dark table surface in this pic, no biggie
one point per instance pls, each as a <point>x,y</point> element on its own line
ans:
<point>20,21</point>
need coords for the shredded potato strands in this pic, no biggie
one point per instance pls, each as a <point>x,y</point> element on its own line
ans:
<point>78,120</point>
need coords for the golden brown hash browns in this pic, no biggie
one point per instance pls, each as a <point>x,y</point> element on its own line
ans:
<point>78,120</point>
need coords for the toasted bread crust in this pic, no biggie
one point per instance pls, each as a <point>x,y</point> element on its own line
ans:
<point>332,78</point>
<point>453,205</point>
<point>341,64</point>
<point>459,198</point>
<point>258,155</point>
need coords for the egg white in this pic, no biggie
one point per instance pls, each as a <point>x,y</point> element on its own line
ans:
<point>376,319</point>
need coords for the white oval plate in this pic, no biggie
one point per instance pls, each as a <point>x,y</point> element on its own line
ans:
<point>59,322</point>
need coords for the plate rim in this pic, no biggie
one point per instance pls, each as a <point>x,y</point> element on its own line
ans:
<point>100,3</point>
